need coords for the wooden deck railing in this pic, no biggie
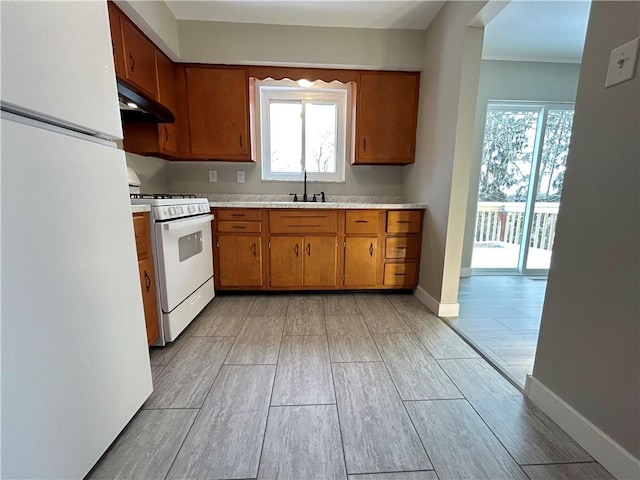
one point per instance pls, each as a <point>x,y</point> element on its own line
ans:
<point>498,222</point>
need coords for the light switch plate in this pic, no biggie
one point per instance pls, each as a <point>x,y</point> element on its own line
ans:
<point>213,176</point>
<point>622,63</point>
<point>240,176</point>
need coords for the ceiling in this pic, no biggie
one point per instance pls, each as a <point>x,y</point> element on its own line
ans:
<point>535,30</point>
<point>317,13</point>
<point>547,31</point>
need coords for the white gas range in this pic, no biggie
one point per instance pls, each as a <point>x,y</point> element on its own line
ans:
<point>182,257</point>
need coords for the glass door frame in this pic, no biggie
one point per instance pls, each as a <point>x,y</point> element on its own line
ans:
<point>543,109</point>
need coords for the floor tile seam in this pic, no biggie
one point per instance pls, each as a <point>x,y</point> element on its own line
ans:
<point>360,361</point>
<point>518,393</point>
<point>404,407</point>
<point>578,462</point>
<point>433,399</point>
<point>169,408</point>
<point>393,472</point>
<point>246,364</point>
<point>266,423</point>
<point>344,453</point>
<point>483,356</point>
<point>496,436</point>
<point>301,405</point>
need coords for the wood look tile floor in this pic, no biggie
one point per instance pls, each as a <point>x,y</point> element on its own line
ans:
<point>335,386</point>
<point>500,315</point>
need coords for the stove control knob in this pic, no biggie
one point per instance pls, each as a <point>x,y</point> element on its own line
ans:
<point>203,208</point>
<point>166,211</point>
<point>172,210</point>
<point>192,208</point>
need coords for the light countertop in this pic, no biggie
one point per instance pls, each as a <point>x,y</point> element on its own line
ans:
<point>331,205</point>
<point>140,208</point>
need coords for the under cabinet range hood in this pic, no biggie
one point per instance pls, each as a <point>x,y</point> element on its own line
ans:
<point>140,109</point>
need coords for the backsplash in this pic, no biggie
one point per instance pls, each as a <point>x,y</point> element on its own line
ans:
<point>240,197</point>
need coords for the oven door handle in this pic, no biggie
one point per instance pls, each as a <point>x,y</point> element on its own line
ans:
<point>190,222</point>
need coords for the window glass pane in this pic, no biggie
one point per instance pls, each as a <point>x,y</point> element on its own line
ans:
<point>285,121</point>
<point>555,149</point>
<point>320,140</point>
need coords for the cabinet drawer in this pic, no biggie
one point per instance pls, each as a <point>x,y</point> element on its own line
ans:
<point>400,274</point>
<point>403,221</point>
<point>141,231</point>
<point>401,247</point>
<point>361,221</point>
<point>300,221</point>
<point>242,214</point>
<point>239,227</point>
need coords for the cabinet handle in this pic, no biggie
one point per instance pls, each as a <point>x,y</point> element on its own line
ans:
<point>237,214</point>
<point>364,144</point>
<point>254,249</point>
<point>238,226</point>
<point>362,221</point>
<point>404,221</point>
<point>132,61</point>
<point>371,250</point>
<point>297,250</point>
<point>240,140</point>
<point>309,249</point>
<point>400,274</point>
<point>166,134</point>
<point>147,281</point>
<point>401,248</point>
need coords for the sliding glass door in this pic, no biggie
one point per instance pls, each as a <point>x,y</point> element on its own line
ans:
<point>522,169</point>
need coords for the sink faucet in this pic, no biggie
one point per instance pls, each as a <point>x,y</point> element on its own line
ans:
<point>304,195</point>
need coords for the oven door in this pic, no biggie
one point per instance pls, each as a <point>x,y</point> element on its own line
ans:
<point>184,258</point>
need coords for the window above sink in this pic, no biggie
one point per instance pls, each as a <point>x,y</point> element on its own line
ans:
<point>302,126</point>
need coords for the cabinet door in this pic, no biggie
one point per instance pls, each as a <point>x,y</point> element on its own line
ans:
<point>167,96</point>
<point>116,38</point>
<point>147,282</point>
<point>240,260</point>
<point>320,261</point>
<point>386,116</point>
<point>285,261</point>
<point>360,261</point>
<point>217,101</point>
<point>139,59</point>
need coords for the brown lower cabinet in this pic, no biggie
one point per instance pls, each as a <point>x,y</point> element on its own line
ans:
<point>316,249</point>
<point>309,261</point>
<point>361,259</point>
<point>147,279</point>
<point>239,261</point>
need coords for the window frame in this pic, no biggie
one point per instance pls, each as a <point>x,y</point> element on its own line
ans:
<point>334,93</point>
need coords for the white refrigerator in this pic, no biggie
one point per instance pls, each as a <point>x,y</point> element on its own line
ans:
<point>75,363</point>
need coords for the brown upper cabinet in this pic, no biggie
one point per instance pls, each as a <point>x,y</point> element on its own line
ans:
<point>133,53</point>
<point>139,59</point>
<point>218,113</point>
<point>115,24</point>
<point>386,118</point>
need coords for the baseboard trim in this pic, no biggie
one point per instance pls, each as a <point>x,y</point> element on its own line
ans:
<point>440,309</point>
<point>612,456</point>
<point>465,272</point>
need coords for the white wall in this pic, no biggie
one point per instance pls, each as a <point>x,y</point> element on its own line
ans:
<point>156,20</point>
<point>194,177</point>
<point>244,43</point>
<point>151,171</point>
<point>589,347</point>
<point>518,81</point>
<point>451,65</point>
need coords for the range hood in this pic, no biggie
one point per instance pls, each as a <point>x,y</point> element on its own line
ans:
<point>140,109</point>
